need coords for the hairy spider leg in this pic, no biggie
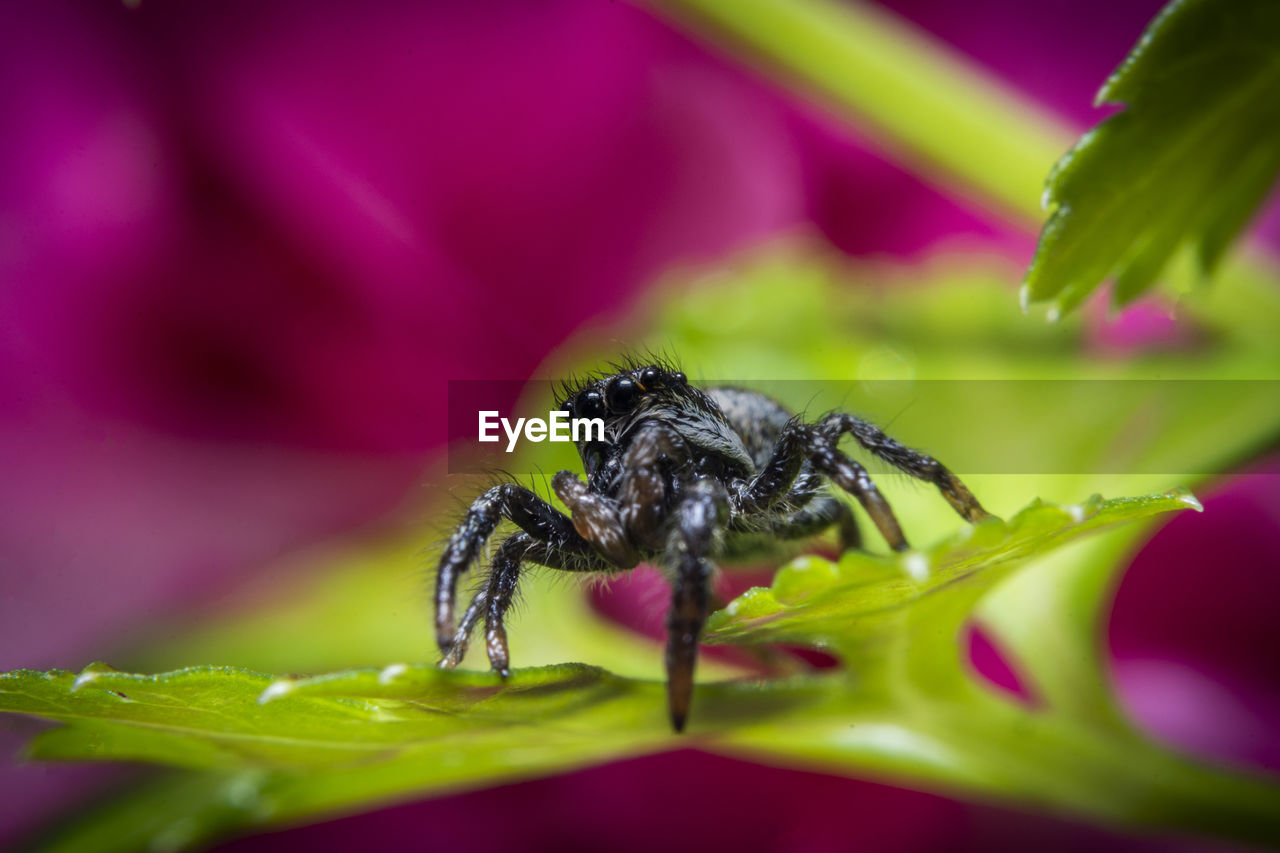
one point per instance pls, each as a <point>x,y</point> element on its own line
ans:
<point>506,576</point>
<point>531,513</point>
<point>461,638</point>
<point>503,579</point>
<point>747,537</point>
<point>826,511</point>
<point>495,596</point>
<point>798,442</point>
<point>854,479</point>
<point>700,516</point>
<point>778,475</point>
<point>913,462</point>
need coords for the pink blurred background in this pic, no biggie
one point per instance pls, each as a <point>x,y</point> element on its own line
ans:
<point>243,247</point>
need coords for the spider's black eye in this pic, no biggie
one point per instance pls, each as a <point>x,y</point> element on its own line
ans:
<point>679,378</point>
<point>590,404</point>
<point>621,394</point>
<point>650,378</point>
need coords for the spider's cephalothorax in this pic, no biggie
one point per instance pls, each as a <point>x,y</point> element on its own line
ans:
<point>684,477</point>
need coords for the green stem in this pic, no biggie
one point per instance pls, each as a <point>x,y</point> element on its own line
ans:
<point>951,122</point>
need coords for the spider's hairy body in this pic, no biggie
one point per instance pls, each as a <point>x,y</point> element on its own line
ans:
<point>683,478</point>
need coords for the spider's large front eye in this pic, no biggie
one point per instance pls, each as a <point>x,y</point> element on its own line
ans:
<point>590,404</point>
<point>621,394</point>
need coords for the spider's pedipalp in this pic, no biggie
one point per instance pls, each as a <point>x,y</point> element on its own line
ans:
<point>644,493</point>
<point>596,518</point>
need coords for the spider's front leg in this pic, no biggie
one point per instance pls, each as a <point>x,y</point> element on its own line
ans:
<point>532,514</point>
<point>700,517</point>
<point>495,597</point>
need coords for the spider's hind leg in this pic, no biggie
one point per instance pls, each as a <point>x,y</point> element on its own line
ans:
<point>777,537</point>
<point>798,442</point>
<point>825,512</point>
<point>913,462</point>
<point>817,443</point>
<point>854,479</point>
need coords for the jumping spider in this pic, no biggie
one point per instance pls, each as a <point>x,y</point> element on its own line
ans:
<point>684,477</point>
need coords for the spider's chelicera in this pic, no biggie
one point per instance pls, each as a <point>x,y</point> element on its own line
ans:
<point>683,478</point>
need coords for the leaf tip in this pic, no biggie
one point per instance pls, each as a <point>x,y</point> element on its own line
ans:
<point>1104,95</point>
<point>1190,500</point>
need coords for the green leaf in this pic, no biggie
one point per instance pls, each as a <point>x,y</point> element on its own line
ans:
<point>777,314</point>
<point>852,604</point>
<point>228,718</point>
<point>285,749</point>
<point>919,713</point>
<point>1186,163</point>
